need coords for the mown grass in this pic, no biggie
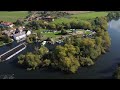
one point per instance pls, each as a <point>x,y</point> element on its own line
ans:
<point>47,34</point>
<point>11,16</point>
<point>51,34</point>
<point>39,30</point>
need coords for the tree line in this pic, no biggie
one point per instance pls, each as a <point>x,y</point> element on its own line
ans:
<point>113,15</point>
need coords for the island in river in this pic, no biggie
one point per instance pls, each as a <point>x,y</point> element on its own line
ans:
<point>64,48</point>
<point>79,42</point>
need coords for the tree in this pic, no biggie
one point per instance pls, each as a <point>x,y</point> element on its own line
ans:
<point>73,24</point>
<point>66,59</point>
<point>30,60</point>
<point>33,25</point>
<point>39,35</point>
<point>86,61</point>
<point>88,42</point>
<point>87,25</point>
<point>1,34</point>
<point>46,62</point>
<point>42,23</point>
<point>52,26</point>
<point>19,23</point>
<point>102,22</point>
<point>43,50</point>
<point>98,40</point>
<point>6,39</point>
<point>63,32</point>
<point>116,74</point>
<point>93,53</point>
<point>59,27</point>
<point>67,25</point>
<point>106,40</point>
<point>31,38</point>
<point>21,59</point>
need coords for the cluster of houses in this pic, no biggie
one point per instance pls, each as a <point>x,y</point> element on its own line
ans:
<point>15,33</point>
<point>6,24</point>
<point>47,18</point>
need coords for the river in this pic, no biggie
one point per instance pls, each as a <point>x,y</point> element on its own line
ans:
<point>103,68</point>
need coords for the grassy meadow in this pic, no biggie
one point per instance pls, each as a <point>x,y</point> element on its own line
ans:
<point>11,16</point>
<point>80,16</point>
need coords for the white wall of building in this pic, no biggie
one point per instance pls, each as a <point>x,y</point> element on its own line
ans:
<point>20,37</point>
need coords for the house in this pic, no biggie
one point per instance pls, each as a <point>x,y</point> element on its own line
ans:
<point>38,18</point>
<point>19,36</point>
<point>8,32</point>
<point>28,33</point>
<point>7,24</point>
<point>48,18</point>
<point>44,42</point>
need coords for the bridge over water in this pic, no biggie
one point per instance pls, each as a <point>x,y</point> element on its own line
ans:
<point>12,52</point>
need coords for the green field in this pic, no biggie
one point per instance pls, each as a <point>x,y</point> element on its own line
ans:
<point>80,16</point>
<point>89,15</point>
<point>12,16</point>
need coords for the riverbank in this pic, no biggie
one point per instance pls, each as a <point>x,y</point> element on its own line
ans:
<point>3,44</point>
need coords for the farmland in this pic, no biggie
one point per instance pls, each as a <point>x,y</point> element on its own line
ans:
<point>89,15</point>
<point>80,16</point>
<point>11,16</point>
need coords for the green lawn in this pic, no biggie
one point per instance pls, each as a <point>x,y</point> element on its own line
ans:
<point>12,16</point>
<point>50,34</point>
<point>87,32</point>
<point>39,31</point>
<point>80,16</point>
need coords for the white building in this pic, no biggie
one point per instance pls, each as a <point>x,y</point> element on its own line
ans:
<point>11,25</point>
<point>44,42</point>
<point>28,33</point>
<point>19,36</point>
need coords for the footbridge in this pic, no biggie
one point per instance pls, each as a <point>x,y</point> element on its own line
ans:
<point>12,52</point>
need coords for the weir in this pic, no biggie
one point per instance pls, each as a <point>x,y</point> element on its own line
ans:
<point>12,52</point>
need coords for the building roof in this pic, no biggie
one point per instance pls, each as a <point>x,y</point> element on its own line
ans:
<point>7,23</point>
<point>19,34</point>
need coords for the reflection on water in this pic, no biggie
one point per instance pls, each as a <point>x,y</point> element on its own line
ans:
<point>115,25</point>
<point>7,76</point>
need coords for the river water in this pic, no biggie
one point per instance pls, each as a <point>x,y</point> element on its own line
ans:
<point>103,68</point>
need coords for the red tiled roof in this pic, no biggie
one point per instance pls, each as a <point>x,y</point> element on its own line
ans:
<point>7,23</point>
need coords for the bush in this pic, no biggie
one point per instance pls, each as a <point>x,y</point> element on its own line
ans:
<point>63,32</point>
<point>46,62</point>
<point>86,61</point>
<point>116,74</point>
